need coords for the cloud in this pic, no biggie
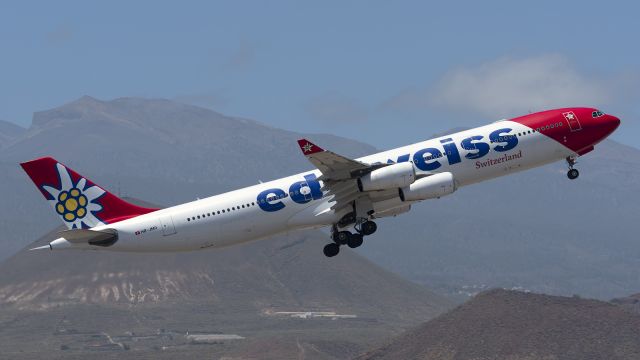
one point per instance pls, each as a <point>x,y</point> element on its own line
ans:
<point>335,108</point>
<point>508,86</point>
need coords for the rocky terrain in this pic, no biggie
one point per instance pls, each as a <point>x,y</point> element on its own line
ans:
<point>500,324</point>
<point>278,296</point>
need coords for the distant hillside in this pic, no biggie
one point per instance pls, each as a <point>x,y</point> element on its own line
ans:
<point>8,132</point>
<point>63,299</point>
<point>631,302</point>
<point>501,324</point>
<point>285,271</point>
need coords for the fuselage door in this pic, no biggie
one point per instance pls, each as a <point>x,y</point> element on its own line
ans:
<point>167,225</point>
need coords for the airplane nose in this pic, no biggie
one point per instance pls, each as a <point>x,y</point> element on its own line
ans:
<point>615,121</point>
<point>610,123</point>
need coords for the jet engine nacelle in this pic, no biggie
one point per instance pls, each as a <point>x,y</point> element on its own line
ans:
<point>393,176</point>
<point>430,187</point>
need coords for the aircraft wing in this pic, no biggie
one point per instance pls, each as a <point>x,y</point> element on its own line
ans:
<point>339,173</point>
<point>334,167</point>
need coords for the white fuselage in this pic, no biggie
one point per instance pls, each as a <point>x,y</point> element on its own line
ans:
<point>235,217</point>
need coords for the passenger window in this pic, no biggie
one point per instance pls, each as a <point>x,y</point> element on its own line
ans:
<point>218,212</point>
<point>188,219</point>
<point>198,216</point>
<point>223,211</point>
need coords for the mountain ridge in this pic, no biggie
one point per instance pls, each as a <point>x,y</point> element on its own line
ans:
<point>515,325</point>
<point>9,131</point>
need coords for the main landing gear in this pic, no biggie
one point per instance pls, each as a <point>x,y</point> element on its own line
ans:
<point>572,174</point>
<point>352,240</point>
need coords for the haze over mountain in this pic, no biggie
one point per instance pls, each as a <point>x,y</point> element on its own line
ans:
<point>8,132</point>
<point>513,325</point>
<point>535,230</point>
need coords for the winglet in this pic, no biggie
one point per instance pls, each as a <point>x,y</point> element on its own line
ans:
<point>309,148</point>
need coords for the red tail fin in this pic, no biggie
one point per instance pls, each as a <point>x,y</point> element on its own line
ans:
<point>77,200</point>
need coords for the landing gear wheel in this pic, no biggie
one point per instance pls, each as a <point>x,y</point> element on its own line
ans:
<point>331,250</point>
<point>354,241</point>
<point>341,237</point>
<point>368,228</point>
<point>573,174</point>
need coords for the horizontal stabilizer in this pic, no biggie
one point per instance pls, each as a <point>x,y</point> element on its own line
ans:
<point>105,237</point>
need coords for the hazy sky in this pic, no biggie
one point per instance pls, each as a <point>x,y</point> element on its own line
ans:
<point>385,72</point>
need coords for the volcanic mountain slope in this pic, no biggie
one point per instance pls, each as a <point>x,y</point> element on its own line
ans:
<point>8,132</point>
<point>501,324</point>
<point>238,290</point>
<point>631,302</point>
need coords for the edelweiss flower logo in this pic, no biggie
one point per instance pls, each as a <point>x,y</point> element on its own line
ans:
<point>73,202</point>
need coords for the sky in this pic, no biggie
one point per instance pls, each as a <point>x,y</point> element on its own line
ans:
<point>383,72</point>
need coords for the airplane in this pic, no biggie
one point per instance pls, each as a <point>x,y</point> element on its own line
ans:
<point>345,194</point>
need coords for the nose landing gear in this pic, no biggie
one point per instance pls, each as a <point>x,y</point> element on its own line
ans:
<point>353,240</point>
<point>572,174</point>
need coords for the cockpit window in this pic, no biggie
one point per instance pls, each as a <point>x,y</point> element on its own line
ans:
<point>597,113</point>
